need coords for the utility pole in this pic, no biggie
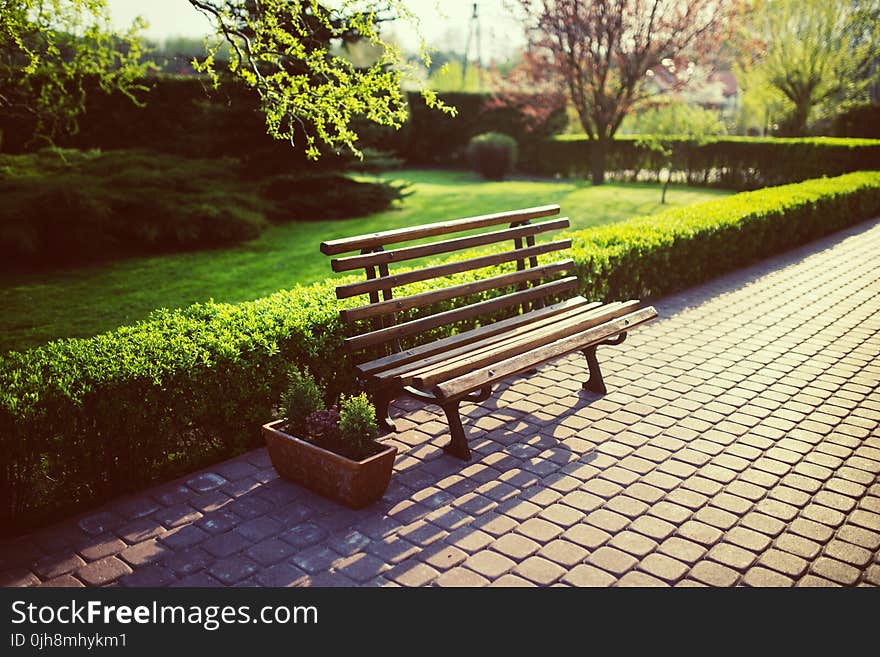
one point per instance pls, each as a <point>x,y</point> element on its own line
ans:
<point>473,33</point>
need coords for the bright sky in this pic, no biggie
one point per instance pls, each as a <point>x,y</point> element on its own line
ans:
<point>444,23</point>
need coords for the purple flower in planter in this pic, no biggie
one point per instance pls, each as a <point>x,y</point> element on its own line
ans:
<point>323,424</point>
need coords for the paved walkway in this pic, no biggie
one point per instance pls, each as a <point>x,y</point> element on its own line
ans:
<point>738,445</point>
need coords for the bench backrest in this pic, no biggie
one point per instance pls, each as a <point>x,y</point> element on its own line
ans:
<point>528,291</point>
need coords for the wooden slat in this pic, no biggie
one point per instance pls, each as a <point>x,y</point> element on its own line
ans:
<point>458,314</point>
<point>446,246</point>
<point>410,370</point>
<point>404,278</point>
<point>491,373</point>
<point>492,354</point>
<point>373,367</point>
<point>372,240</point>
<point>434,296</point>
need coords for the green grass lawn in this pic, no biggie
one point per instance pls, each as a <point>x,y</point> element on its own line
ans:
<point>84,301</point>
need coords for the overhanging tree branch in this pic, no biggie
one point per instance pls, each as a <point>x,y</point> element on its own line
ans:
<point>289,52</point>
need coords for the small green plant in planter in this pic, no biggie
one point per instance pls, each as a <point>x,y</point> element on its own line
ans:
<point>332,451</point>
<point>357,423</point>
<point>302,398</point>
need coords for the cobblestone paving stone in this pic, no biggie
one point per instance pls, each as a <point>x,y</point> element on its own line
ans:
<point>738,445</point>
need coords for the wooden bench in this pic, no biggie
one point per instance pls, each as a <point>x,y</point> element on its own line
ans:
<point>465,366</point>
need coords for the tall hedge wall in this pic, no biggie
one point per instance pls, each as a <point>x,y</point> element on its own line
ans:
<point>732,162</point>
<point>185,116</point>
<point>82,420</point>
<point>859,121</point>
<point>178,115</point>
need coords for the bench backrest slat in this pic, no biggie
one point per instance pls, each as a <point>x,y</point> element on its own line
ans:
<point>423,299</point>
<point>448,269</point>
<point>445,246</point>
<point>384,322</point>
<point>360,242</point>
<point>457,314</point>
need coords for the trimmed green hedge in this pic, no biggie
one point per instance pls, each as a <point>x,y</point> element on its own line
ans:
<point>655,255</point>
<point>730,162</point>
<point>83,420</point>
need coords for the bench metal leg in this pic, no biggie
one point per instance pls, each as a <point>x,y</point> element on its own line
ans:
<point>458,445</point>
<point>596,383</point>
<point>383,414</point>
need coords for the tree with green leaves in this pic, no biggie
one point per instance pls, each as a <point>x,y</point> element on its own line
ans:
<point>817,54</point>
<point>291,53</point>
<point>762,106</point>
<point>48,51</point>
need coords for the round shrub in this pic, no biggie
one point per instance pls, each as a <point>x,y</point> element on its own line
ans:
<point>492,155</point>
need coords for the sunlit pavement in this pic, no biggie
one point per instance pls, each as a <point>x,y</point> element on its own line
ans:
<point>738,445</point>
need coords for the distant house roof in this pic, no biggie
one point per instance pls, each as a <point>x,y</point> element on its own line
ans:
<point>728,82</point>
<point>663,78</point>
<point>715,89</point>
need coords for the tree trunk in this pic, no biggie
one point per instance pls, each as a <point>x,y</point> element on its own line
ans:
<point>666,184</point>
<point>598,152</point>
<point>799,119</point>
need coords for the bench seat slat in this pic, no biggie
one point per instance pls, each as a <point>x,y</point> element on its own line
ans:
<point>447,269</point>
<point>407,371</point>
<point>372,240</point>
<point>387,334</point>
<point>426,378</point>
<point>465,289</point>
<point>497,371</point>
<point>445,246</point>
<point>373,367</point>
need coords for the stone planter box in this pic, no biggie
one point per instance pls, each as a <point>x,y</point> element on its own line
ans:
<point>353,483</point>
